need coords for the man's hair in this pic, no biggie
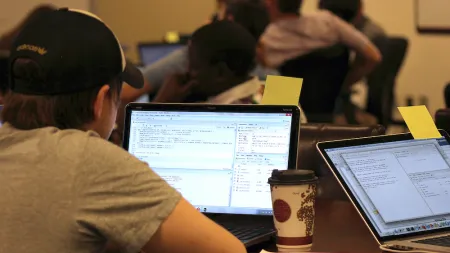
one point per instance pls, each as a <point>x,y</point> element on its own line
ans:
<point>252,15</point>
<point>64,111</point>
<point>289,6</point>
<point>225,42</point>
<point>345,9</point>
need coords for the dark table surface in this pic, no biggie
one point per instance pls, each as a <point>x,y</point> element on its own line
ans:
<point>338,228</point>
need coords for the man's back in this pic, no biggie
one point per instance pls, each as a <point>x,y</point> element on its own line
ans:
<point>72,191</point>
<point>292,37</point>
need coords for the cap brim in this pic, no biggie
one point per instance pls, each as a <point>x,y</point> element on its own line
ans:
<point>133,76</point>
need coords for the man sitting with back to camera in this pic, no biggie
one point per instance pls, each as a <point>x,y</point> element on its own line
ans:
<point>221,57</point>
<point>64,188</point>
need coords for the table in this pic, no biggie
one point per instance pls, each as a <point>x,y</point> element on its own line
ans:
<point>338,228</point>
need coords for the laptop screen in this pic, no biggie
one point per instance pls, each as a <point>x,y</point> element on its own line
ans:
<point>151,53</point>
<point>403,187</point>
<point>219,161</point>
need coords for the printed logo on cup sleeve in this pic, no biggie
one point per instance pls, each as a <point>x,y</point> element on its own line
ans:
<point>281,210</point>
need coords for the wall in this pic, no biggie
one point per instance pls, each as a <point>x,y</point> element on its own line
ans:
<point>424,73</point>
<point>137,21</point>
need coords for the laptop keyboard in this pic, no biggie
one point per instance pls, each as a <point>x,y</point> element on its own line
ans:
<point>246,234</point>
<point>443,241</point>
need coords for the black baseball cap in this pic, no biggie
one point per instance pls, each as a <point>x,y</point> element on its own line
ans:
<point>75,51</point>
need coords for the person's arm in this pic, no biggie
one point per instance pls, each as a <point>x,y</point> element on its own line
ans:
<point>154,77</point>
<point>187,230</point>
<point>122,201</point>
<point>367,54</point>
<point>156,73</point>
<point>130,94</point>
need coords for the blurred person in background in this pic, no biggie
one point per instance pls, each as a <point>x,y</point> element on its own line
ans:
<point>221,58</point>
<point>352,11</point>
<point>251,14</point>
<point>291,35</point>
<point>221,7</point>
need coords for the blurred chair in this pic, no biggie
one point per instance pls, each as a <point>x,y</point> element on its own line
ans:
<point>310,159</point>
<point>323,72</point>
<point>442,119</point>
<point>381,82</point>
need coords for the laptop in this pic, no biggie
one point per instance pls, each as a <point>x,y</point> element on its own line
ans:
<point>219,157</point>
<point>399,185</point>
<point>154,51</point>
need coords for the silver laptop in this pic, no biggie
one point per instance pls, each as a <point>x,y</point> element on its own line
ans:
<point>218,156</point>
<point>400,186</point>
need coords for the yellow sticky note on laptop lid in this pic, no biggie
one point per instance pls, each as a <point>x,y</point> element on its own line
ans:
<point>281,90</point>
<point>419,122</point>
<point>172,37</point>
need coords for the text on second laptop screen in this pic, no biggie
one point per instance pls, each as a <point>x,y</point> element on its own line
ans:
<point>403,186</point>
<point>220,162</point>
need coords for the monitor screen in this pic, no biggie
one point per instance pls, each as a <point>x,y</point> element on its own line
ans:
<point>219,161</point>
<point>403,187</point>
<point>152,53</point>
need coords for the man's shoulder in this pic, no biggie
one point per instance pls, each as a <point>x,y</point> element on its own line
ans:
<point>94,153</point>
<point>319,16</point>
<point>85,146</point>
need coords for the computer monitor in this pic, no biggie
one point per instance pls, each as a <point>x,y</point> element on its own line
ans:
<point>218,156</point>
<point>152,52</point>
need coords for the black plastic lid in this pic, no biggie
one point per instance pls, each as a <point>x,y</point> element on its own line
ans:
<point>292,177</point>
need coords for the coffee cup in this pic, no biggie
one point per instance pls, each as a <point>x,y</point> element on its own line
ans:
<point>293,197</point>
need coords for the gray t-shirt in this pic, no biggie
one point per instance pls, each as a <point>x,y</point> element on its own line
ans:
<point>71,191</point>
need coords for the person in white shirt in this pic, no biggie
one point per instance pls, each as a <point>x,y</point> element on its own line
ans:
<point>292,34</point>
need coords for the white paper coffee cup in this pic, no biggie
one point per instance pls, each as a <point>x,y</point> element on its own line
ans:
<point>293,198</point>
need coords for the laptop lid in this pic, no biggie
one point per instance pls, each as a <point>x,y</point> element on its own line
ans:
<point>154,51</point>
<point>218,156</point>
<point>400,186</point>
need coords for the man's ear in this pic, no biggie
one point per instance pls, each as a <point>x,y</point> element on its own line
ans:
<point>100,100</point>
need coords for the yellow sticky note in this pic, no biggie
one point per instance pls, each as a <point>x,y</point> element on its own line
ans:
<point>419,121</point>
<point>281,90</point>
<point>172,37</point>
